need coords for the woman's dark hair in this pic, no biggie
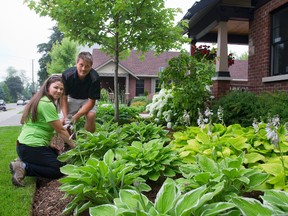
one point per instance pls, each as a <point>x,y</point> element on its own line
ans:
<point>30,111</point>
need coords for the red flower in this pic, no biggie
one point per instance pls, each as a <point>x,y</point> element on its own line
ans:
<point>204,50</point>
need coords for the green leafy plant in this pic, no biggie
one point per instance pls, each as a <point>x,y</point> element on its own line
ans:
<point>274,202</point>
<point>187,80</point>
<point>218,141</point>
<point>229,172</point>
<point>242,107</point>
<point>169,201</point>
<point>105,113</point>
<point>150,159</point>
<point>108,136</point>
<point>97,182</point>
<point>140,131</point>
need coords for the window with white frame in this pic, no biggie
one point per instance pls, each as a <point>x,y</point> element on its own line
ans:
<point>279,42</point>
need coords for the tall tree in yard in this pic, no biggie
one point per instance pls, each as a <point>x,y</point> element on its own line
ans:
<point>63,56</point>
<point>119,26</point>
<point>45,48</point>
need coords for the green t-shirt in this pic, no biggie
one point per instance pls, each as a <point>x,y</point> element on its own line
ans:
<point>39,133</point>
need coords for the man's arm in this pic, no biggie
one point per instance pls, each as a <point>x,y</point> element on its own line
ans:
<point>83,110</point>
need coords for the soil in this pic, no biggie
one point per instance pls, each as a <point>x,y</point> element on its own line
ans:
<point>48,199</point>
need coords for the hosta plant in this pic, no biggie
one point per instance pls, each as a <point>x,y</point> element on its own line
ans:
<point>274,203</point>
<point>108,136</point>
<point>218,141</point>
<point>140,131</point>
<point>97,182</point>
<point>169,202</point>
<point>229,172</point>
<point>150,159</point>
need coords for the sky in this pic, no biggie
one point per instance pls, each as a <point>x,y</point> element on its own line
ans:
<point>22,30</point>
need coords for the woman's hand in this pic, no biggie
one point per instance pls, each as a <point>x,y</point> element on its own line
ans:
<point>57,143</point>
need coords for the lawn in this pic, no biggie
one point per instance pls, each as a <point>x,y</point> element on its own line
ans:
<point>14,200</point>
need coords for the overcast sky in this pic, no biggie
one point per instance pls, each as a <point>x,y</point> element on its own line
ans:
<point>22,30</point>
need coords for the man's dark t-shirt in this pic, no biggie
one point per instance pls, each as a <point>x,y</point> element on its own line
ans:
<point>81,89</point>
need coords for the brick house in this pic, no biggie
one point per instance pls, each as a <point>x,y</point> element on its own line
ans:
<point>135,77</point>
<point>260,24</point>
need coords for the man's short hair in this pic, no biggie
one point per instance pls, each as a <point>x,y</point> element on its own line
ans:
<point>86,56</point>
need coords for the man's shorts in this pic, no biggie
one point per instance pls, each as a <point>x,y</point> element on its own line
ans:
<point>75,104</point>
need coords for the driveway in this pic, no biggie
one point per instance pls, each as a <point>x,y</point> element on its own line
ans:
<point>12,116</point>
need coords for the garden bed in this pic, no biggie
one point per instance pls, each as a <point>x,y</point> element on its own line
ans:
<point>49,201</point>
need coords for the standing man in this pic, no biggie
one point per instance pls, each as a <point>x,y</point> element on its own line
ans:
<point>82,90</point>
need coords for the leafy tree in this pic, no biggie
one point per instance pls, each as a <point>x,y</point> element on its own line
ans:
<point>45,48</point>
<point>117,25</point>
<point>28,90</point>
<point>2,92</point>
<point>15,81</point>
<point>62,55</point>
<point>15,86</point>
<point>7,97</point>
<point>244,56</point>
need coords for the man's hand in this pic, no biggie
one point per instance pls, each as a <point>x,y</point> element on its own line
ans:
<point>75,118</point>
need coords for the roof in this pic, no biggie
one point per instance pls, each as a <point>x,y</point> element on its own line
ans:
<point>205,15</point>
<point>150,66</point>
<point>239,70</point>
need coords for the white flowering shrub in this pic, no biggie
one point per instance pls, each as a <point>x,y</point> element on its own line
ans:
<point>161,108</point>
<point>186,82</point>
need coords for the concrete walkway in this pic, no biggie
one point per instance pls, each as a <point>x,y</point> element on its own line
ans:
<point>11,117</point>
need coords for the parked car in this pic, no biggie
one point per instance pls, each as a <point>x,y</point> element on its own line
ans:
<point>20,102</point>
<point>2,105</point>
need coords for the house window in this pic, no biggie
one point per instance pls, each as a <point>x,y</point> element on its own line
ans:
<point>279,43</point>
<point>140,87</point>
<point>157,86</point>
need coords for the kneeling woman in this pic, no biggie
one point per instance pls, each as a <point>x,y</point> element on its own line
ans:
<point>41,121</point>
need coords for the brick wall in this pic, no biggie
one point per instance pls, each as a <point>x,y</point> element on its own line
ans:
<point>259,49</point>
<point>220,88</point>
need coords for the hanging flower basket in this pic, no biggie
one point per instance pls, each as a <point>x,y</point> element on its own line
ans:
<point>204,50</point>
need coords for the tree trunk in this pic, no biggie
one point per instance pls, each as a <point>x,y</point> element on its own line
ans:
<point>116,100</point>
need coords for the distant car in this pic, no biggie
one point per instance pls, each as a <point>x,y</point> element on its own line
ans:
<point>2,105</point>
<point>26,101</point>
<point>20,102</point>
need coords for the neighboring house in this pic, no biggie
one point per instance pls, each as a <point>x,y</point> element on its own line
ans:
<point>260,24</point>
<point>135,77</point>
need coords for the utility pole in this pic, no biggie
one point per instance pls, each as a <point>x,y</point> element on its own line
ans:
<point>33,88</point>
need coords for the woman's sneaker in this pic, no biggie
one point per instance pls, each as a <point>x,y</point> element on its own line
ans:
<point>18,173</point>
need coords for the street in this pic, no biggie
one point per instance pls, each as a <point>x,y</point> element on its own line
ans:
<point>12,116</point>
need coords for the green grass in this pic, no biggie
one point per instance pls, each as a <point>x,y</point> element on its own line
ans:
<point>14,200</point>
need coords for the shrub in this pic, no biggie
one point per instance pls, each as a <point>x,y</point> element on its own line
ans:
<point>105,96</point>
<point>105,113</point>
<point>243,107</point>
<point>140,103</point>
<point>186,84</point>
<point>239,108</point>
